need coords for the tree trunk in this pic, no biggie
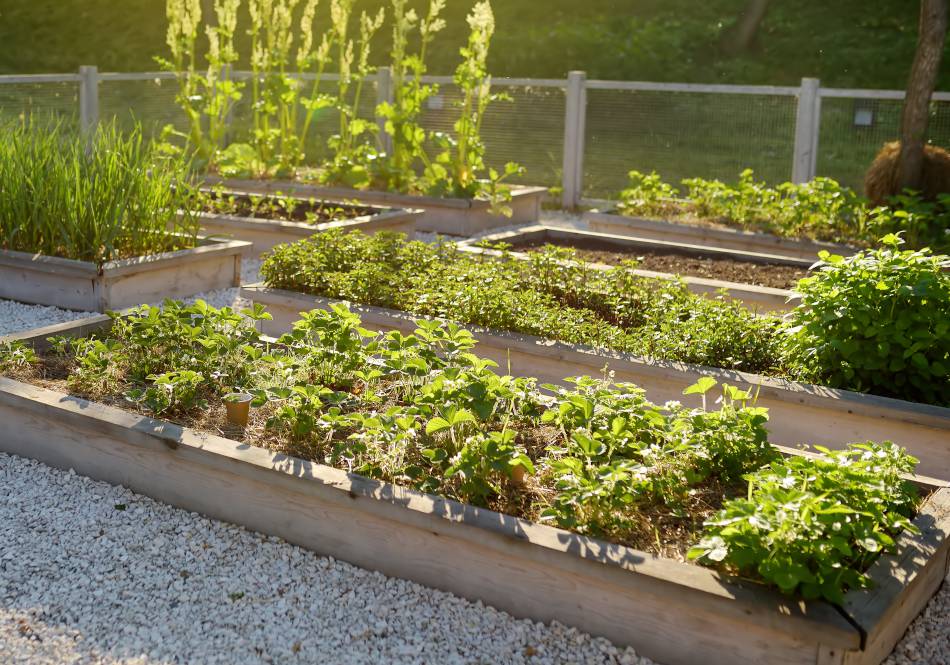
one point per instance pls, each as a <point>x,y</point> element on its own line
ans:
<point>739,37</point>
<point>920,87</point>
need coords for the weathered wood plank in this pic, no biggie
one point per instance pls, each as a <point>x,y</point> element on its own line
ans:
<point>904,582</point>
<point>440,215</point>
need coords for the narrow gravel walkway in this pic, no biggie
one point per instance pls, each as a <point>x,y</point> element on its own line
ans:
<point>91,573</point>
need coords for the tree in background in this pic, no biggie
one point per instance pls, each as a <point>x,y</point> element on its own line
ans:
<point>740,37</point>
<point>920,88</point>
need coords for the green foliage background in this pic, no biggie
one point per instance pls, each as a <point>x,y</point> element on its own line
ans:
<point>861,43</point>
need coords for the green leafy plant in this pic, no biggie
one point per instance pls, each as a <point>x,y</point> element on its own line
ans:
<point>15,355</point>
<point>878,321</point>
<point>547,296</point>
<point>811,525</point>
<point>108,197</point>
<point>647,194</point>
<point>594,456</point>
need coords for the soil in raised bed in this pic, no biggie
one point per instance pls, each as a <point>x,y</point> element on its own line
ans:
<point>283,209</point>
<point>773,275</point>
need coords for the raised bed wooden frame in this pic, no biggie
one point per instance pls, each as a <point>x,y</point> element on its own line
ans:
<point>757,298</point>
<point>673,612</point>
<point>750,241</point>
<point>80,285</point>
<point>460,217</point>
<point>265,234</point>
<point>798,413</point>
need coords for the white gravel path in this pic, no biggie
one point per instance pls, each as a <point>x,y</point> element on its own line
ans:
<point>91,573</point>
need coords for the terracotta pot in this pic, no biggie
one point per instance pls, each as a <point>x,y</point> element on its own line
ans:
<point>239,408</point>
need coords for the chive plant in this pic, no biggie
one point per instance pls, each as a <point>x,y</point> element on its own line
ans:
<point>110,197</point>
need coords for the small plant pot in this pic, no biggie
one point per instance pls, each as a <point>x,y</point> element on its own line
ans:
<point>517,476</point>
<point>239,408</point>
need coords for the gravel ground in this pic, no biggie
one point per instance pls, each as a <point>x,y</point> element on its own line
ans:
<point>91,573</point>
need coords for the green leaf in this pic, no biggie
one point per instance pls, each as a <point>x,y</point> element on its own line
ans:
<point>702,386</point>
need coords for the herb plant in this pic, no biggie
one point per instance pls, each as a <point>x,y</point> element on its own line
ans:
<point>878,321</point>
<point>113,198</point>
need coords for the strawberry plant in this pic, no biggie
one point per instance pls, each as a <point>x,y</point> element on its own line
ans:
<point>811,525</point>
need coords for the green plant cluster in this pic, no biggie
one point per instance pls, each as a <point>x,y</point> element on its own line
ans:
<point>596,457</point>
<point>91,198</point>
<point>810,525</point>
<point>546,296</point>
<point>276,206</point>
<point>399,156</point>
<point>821,209</point>
<point>878,321</point>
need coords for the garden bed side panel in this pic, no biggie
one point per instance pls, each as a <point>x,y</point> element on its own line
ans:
<point>749,241</point>
<point>673,612</point>
<point>798,413</point>
<point>78,285</point>
<point>462,217</point>
<point>266,234</point>
<point>756,298</point>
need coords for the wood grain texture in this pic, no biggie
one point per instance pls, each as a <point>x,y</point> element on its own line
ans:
<point>798,413</point>
<point>265,234</point>
<point>439,215</point>
<point>668,610</point>
<point>79,285</point>
<point>615,224</point>
<point>904,582</point>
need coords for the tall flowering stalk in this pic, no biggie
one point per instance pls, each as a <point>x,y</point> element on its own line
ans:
<point>207,98</point>
<point>409,93</point>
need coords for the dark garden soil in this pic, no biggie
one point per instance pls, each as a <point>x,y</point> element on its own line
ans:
<point>711,267</point>
<point>284,209</point>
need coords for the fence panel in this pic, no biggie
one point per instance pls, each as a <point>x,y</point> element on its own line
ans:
<point>853,130</point>
<point>685,134</point>
<point>58,99</point>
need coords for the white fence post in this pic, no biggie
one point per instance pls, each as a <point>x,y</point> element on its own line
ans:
<point>88,98</point>
<point>807,128</point>
<point>575,115</point>
<point>384,93</point>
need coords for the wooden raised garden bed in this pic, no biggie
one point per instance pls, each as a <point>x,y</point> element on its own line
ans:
<point>693,263</point>
<point>460,217</point>
<point>81,285</point>
<point>798,413</point>
<point>673,612</point>
<point>711,236</point>
<point>264,233</point>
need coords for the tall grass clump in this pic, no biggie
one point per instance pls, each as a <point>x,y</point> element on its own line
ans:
<point>110,197</point>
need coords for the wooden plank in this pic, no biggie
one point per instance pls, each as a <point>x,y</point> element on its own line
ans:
<point>668,610</point>
<point>37,337</point>
<point>440,215</point>
<point>904,582</point>
<point>799,413</point>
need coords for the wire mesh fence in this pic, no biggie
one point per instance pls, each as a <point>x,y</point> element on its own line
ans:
<point>58,100</point>
<point>854,129</point>
<point>680,131</point>
<point>683,135</point>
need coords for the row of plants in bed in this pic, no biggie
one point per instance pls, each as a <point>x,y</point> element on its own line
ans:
<point>820,209</point>
<point>424,411</point>
<point>96,199</point>
<point>287,41</point>
<point>876,322</point>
